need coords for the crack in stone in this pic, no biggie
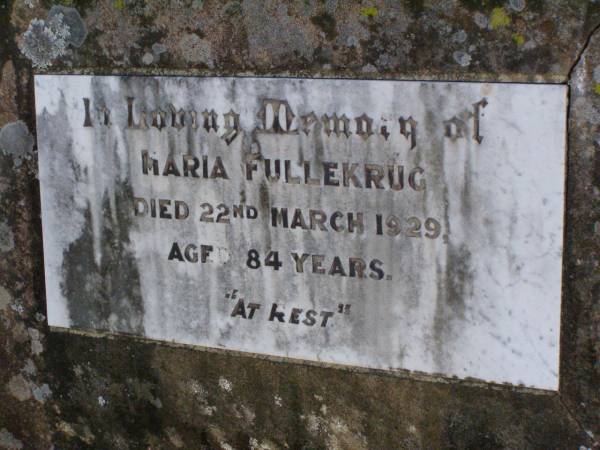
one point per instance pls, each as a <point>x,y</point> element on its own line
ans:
<point>573,417</point>
<point>581,51</point>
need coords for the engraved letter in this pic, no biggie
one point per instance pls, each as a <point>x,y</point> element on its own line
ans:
<point>279,315</point>
<point>130,121</point>
<point>159,119</point>
<point>232,126</point>
<point>177,117</point>
<point>276,117</point>
<point>337,125</point>
<point>476,112</point>
<point>412,133</point>
<point>106,115</point>
<point>416,185</point>
<point>194,116</point>
<point>87,122</point>
<point>454,128</point>
<point>364,126</point>
<point>148,163</point>
<point>210,120</point>
<point>308,122</point>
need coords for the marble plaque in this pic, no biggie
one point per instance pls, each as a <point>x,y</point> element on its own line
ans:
<point>395,225</point>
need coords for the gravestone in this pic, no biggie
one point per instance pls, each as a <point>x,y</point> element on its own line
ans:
<point>299,225</point>
<point>310,219</point>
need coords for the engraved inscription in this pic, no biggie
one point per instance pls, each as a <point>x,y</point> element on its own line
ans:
<point>379,224</point>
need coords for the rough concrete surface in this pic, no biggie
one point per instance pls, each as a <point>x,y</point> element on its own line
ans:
<point>71,391</point>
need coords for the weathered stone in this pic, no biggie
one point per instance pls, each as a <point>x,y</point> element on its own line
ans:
<point>5,299</point>
<point>7,238</point>
<point>44,41</point>
<point>8,441</point>
<point>19,388</point>
<point>8,90</point>
<point>72,20</point>
<point>581,305</point>
<point>36,345</point>
<point>307,263</point>
<point>41,393</point>
<point>16,140</point>
<point>297,405</point>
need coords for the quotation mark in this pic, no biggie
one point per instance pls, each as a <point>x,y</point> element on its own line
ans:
<point>343,309</point>
<point>231,294</point>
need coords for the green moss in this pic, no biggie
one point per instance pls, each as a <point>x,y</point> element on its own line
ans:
<point>499,18</point>
<point>119,4</point>
<point>518,38</point>
<point>597,89</point>
<point>370,11</point>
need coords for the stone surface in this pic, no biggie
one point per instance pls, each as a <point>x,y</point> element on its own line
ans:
<point>73,21</point>
<point>580,342</point>
<point>15,139</point>
<point>461,277</point>
<point>295,405</point>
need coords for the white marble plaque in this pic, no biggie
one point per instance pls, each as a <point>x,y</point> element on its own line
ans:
<point>392,225</point>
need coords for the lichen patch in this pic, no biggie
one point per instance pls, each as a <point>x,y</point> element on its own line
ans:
<point>44,41</point>
<point>19,388</point>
